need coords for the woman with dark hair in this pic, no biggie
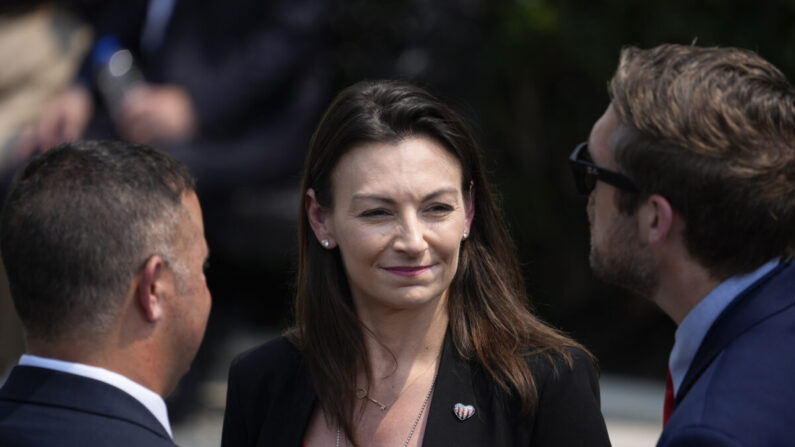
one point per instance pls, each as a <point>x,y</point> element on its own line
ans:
<point>412,321</point>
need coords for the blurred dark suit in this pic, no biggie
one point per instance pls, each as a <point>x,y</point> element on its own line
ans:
<point>254,70</point>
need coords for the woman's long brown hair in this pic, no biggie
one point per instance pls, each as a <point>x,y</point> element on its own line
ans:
<point>490,319</point>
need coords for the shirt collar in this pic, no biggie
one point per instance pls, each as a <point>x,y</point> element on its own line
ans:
<point>148,398</point>
<point>696,324</point>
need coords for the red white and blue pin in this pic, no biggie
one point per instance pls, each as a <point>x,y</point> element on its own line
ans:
<point>463,412</point>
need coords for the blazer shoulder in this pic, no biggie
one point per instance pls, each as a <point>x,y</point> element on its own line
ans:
<point>269,394</point>
<point>264,370</point>
<point>279,351</point>
<point>568,411</point>
<point>558,378</point>
<point>549,364</point>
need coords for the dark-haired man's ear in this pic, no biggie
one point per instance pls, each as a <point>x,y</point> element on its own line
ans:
<point>316,214</point>
<point>656,219</point>
<point>151,287</point>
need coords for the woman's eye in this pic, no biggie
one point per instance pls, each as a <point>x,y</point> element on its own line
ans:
<point>439,208</point>
<point>376,212</point>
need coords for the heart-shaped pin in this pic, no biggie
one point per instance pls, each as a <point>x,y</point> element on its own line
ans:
<point>463,412</point>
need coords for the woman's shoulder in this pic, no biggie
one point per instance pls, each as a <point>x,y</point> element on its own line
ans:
<point>268,386</point>
<point>568,399</point>
<point>277,347</point>
<point>552,368</point>
<point>277,356</point>
<point>551,362</point>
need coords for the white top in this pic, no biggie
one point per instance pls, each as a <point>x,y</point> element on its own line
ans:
<point>148,398</point>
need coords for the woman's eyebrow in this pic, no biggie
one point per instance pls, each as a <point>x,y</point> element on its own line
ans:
<point>387,199</point>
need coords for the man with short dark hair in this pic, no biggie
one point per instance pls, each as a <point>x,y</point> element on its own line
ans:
<point>691,177</point>
<point>104,247</point>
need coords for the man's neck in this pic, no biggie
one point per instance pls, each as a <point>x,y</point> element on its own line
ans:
<point>682,286</point>
<point>67,349</point>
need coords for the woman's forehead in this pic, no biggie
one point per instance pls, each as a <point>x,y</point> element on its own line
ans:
<point>411,164</point>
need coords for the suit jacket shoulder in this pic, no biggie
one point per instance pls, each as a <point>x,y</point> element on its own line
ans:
<point>740,389</point>
<point>569,409</point>
<point>270,397</point>
<point>41,407</point>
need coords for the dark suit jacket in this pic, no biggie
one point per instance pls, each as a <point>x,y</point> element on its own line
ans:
<point>271,398</point>
<point>740,388</point>
<point>42,407</point>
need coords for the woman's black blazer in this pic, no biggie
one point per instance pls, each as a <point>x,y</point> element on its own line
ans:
<point>270,400</point>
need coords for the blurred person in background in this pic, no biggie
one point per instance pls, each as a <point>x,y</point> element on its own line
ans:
<point>222,85</point>
<point>232,89</point>
<point>691,177</point>
<point>412,320</point>
<point>42,44</point>
<point>104,247</point>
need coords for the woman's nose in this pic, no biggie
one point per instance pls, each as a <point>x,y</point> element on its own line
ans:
<point>412,237</point>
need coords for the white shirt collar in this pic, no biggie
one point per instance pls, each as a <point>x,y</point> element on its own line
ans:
<point>148,398</point>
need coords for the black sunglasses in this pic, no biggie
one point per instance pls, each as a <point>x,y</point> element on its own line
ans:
<point>586,173</point>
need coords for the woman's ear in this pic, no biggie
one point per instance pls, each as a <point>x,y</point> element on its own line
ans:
<point>317,215</point>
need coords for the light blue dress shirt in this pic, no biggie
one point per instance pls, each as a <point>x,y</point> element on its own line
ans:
<point>696,324</point>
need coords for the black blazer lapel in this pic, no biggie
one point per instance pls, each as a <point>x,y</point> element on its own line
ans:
<point>454,384</point>
<point>769,295</point>
<point>290,409</point>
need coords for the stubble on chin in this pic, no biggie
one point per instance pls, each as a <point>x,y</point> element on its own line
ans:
<point>624,261</point>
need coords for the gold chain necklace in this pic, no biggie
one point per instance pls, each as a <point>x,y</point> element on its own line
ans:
<point>361,393</point>
<point>419,415</point>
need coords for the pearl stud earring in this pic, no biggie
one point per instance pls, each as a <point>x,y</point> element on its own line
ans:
<point>325,243</point>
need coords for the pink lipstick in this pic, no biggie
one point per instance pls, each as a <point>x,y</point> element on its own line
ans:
<point>408,272</point>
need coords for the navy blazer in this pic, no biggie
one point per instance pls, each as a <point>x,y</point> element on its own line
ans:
<point>270,400</point>
<point>740,388</point>
<point>42,407</point>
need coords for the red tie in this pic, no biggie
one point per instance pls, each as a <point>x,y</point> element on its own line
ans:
<point>668,406</point>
